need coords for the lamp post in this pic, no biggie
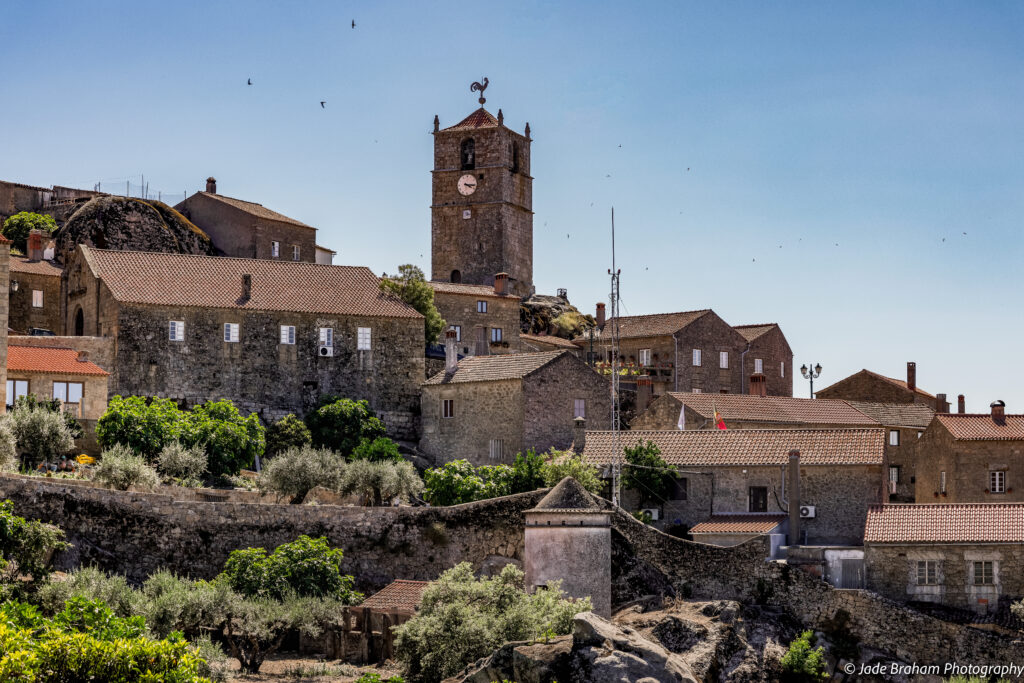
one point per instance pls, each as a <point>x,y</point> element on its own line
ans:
<point>811,374</point>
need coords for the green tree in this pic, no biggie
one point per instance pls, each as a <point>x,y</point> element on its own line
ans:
<point>286,433</point>
<point>380,482</point>
<point>54,405</point>
<point>17,227</point>
<point>298,470</point>
<point>25,549</point>
<point>561,464</point>
<point>647,472</point>
<point>411,287</point>
<point>41,435</point>
<point>527,472</point>
<point>121,468</point>
<point>378,450</point>
<point>342,424</point>
<point>803,662</point>
<point>144,425</point>
<point>230,440</point>
<point>458,482</point>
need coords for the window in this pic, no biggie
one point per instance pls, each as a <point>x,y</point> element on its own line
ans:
<point>894,474</point>
<point>782,369</point>
<point>758,366</point>
<point>448,407</point>
<point>481,306</point>
<point>363,339</point>
<point>326,336</point>
<point>79,323</point>
<point>16,388</point>
<point>579,408</point>
<point>37,298</point>
<point>942,482</point>
<point>467,154</point>
<point>231,332</point>
<point>894,437</point>
<point>458,331</point>
<point>275,249</point>
<point>997,481</point>
<point>696,358</point>
<point>456,276</point>
<point>696,390</point>
<point>983,573</point>
<point>927,572</point>
<point>723,359</point>
<point>176,330</point>
<point>287,334</point>
<point>295,252</point>
<point>679,488</point>
<point>758,496</point>
<point>68,392</point>
<point>723,390</point>
<point>496,449</point>
<point>645,357</point>
<point>495,334</point>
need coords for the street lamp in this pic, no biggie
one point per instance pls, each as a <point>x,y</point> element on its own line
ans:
<point>811,374</point>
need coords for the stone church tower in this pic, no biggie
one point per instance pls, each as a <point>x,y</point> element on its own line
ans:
<point>482,205</point>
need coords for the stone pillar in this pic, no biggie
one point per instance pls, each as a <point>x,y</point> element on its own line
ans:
<point>579,435</point>
<point>794,497</point>
<point>451,355</point>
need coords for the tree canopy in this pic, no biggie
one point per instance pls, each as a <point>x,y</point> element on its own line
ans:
<point>17,227</point>
<point>410,285</point>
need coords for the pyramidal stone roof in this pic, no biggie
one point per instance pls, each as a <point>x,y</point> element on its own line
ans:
<point>481,118</point>
<point>568,495</point>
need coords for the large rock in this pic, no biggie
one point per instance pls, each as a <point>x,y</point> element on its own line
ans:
<point>537,315</point>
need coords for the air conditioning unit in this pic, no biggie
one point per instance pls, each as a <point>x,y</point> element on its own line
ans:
<point>808,511</point>
<point>326,351</point>
<point>653,512</point>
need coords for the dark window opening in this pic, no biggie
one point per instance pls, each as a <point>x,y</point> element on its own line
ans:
<point>79,323</point>
<point>515,157</point>
<point>758,499</point>
<point>456,276</point>
<point>468,154</point>
<point>679,488</point>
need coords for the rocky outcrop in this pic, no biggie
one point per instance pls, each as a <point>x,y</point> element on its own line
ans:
<point>129,224</point>
<point>553,315</point>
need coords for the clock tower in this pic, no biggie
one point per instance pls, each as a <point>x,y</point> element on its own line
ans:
<point>482,203</point>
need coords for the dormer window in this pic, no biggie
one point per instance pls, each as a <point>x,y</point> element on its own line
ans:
<point>468,154</point>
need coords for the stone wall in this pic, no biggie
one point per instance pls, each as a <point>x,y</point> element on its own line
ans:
<point>461,310</point>
<point>777,362</point>
<point>967,465</point>
<point>550,394</point>
<point>483,412</point>
<point>23,315</point>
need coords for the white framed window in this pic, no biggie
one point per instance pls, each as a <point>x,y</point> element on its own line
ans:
<point>782,369</point>
<point>68,392</point>
<point>696,357</point>
<point>363,339</point>
<point>997,481</point>
<point>645,357</point>
<point>231,332</point>
<point>448,408</point>
<point>275,249</point>
<point>287,334</point>
<point>579,408</point>
<point>16,388</point>
<point>984,573</point>
<point>894,474</point>
<point>894,437</point>
<point>942,482</point>
<point>495,334</point>
<point>696,390</point>
<point>176,330</point>
<point>326,336</point>
<point>723,359</point>
<point>496,449</point>
<point>295,252</point>
<point>927,572</point>
<point>758,366</point>
<point>458,331</point>
<point>37,298</point>
<point>481,306</point>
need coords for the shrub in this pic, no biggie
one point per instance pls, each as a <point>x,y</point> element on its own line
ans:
<point>41,435</point>
<point>120,468</point>
<point>802,662</point>
<point>171,604</point>
<point>527,472</point>
<point>186,465</point>
<point>647,472</point>
<point>342,424</point>
<point>458,482</point>
<point>562,464</point>
<point>299,469</point>
<point>231,441</point>
<point>410,286</point>
<point>92,584</point>
<point>8,446</point>
<point>288,432</point>
<point>145,426</point>
<point>380,449</point>
<point>17,227</point>
<point>462,618</point>
<point>54,405</point>
<point>570,324</point>
<point>94,617</point>
<point>25,549</point>
<point>380,482</point>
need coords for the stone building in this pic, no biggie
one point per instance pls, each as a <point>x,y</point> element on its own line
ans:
<point>34,289</point>
<point>485,317</point>
<point>482,204</point>
<point>546,342</point>
<point>905,424</point>
<point>486,409</point>
<point>273,336</point>
<point>744,472</point>
<point>57,201</point>
<point>247,229</point>
<point>874,388</point>
<point>694,351</point>
<point>969,556</point>
<point>963,458</point>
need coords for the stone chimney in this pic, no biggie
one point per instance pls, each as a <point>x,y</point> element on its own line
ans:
<point>451,355</point>
<point>998,412</point>
<point>794,497</point>
<point>758,384</point>
<point>644,389</point>
<point>961,404</point>
<point>911,375</point>
<point>246,287</point>
<point>501,284</point>
<point>600,315</point>
<point>35,245</point>
<point>211,185</point>
<point>437,123</point>
<point>579,435</point>
<point>83,357</point>
<point>941,404</point>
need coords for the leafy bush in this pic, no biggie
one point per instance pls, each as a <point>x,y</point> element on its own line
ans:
<point>462,618</point>
<point>562,464</point>
<point>185,465</point>
<point>342,424</point>
<point>647,472</point>
<point>25,549</point>
<point>527,472</point>
<point>410,286</point>
<point>802,662</point>
<point>380,449</point>
<point>288,432</point>
<point>459,482</point>
<point>41,435</point>
<point>17,227</point>
<point>380,482</point>
<point>8,446</point>
<point>171,603</point>
<point>91,583</point>
<point>120,468</point>
<point>54,405</point>
<point>231,441</point>
<point>299,469</point>
<point>144,425</point>
<point>94,617</point>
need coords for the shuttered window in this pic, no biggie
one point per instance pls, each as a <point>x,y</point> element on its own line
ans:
<point>287,334</point>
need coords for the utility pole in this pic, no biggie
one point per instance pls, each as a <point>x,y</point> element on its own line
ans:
<point>617,462</point>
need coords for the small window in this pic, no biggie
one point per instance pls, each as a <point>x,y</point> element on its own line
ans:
<point>696,390</point>
<point>894,437</point>
<point>363,339</point>
<point>680,488</point>
<point>287,334</point>
<point>37,298</point>
<point>645,357</point>
<point>68,392</point>
<point>942,482</point>
<point>723,390</point>
<point>920,434</point>
<point>231,332</point>
<point>467,154</point>
<point>758,366</point>
<point>481,306</point>
<point>275,249</point>
<point>723,359</point>
<point>326,336</point>
<point>495,334</point>
<point>579,408</point>
<point>894,474</point>
<point>448,407</point>
<point>696,357</point>
<point>16,388</point>
<point>984,574</point>
<point>782,369</point>
<point>176,330</point>
<point>758,496</point>
<point>456,276</point>
<point>295,252</point>
<point>458,331</point>
<point>927,572</point>
<point>496,449</point>
<point>997,481</point>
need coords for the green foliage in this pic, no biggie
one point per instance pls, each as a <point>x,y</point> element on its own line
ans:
<point>380,449</point>
<point>91,583</point>
<point>181,464</point>
<point>380,482</point>
<point>647,472</point>
<point>288,432</point>
<point>8,445</point>
<point>41,435</point>
<point>462,618</point>
<point>571,324</point>
<point>802,662</point>
<point>17,227</point>
<point>144,425</point>
<point>561,464</point>
<point>642,516</point>
<point>341,424</point>
<point>120,468</point>
<point>94,617</point>
<point>232,442</point>
<point>527,472</point>
<point>54,405</point>
<point>459,482</point>
<point>306,567</point>
<point>411,287</point>
<point>374,677</point>
<point>298,470</point>
<point>25,547</point>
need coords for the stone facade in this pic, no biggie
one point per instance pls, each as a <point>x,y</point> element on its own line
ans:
<point>32,277</point>
<point>872,387</point>
<point>460,307</point>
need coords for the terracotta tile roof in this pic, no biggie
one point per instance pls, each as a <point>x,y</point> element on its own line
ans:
<point>781,409</point>
<point>160,279</point>
<point>748,447</point>
<point>254,209</point>
<point>739,524</point>
<point>548,339</point>
<point>896,414</point>
<point>481,118</point>
<point>752,332</point>
<point>469,290</point>
<point>654,325</point>
<point>23,265</point>
<point>399,595</point>
<point>493,368</point>
<point>50,360</point>
<point>898,382</point>
<point>967,427</point>
<point>960,523</point>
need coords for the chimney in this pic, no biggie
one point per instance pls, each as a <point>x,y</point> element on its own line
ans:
<point>501,284</point>
<point>961,404</point>
<point>941,404</point>
<point>83,357</point>
<point>246,287</point>
<point>451,356</point>
<point>600,315</point>
<point>758,384</point>
<point>35,245</point>
<point>644,389</point>
<point>437,123</point>
<point>794,497</point>
<point>911,375</point>
<point>579,435</point>
<point>998,412</point>
<point>211,185</point>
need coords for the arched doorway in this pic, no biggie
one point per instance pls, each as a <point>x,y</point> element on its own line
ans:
<point>79,322</point>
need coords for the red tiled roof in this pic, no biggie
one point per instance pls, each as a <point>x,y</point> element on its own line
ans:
<point>160,279</point>
<point>23,265</point>
<point>752,332</point>
<point>960,523</point>
<point>898,382</point>
<point>481,118</point>
<point>781,409</point>
<point>548,339</point>
<point>49,360</point>
<point>493,368</point>
<point>469,290</point>
<point>967,427</point>
<point>896,414</point>
<point>654,325</point>
<point>399,595</point>
<point>739,524</point>
<point>254,209</point>
<point>750,447</point>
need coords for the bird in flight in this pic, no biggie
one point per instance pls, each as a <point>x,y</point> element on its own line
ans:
<point>322,103</point>
<point>353,23</point>
<point>250,81</point>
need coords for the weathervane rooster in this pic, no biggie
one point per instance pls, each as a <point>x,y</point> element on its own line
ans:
<point>477,86</point>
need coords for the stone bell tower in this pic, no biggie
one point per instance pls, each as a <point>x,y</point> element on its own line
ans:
<point>482,203</point>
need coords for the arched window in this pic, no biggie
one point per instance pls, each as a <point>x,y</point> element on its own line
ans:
<point>468,154</point>
<point>456,276</point>
<point>79,323</point>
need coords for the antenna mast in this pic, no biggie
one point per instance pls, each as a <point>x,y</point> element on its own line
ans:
<point>614,297</point>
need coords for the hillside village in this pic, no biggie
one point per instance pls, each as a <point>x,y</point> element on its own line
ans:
<point>879,516</point>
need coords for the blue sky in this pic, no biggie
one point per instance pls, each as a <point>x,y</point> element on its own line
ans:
<point>814,164</point>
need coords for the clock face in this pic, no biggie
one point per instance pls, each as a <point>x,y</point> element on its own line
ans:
<point>467,184</point>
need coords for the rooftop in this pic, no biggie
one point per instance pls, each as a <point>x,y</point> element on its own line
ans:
<point>567,495</point>
<point>896,414</point>
<point>481,118</point>
<point>398,596</point>
<point>752,332</point>
<point>654,325</point>
<point>548,339</point>
<point>968,427</point>
<point>781,409</point>
<point>56,361</point>
<point>961,523</point>
<point>753,523</point>
<point>469,290</point>
<point>23,265</point>
<point>494,368</point>
<point>898,382</point>
<point>254,209</point>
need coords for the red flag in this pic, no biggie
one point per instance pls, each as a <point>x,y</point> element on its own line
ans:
<point>719,422</point>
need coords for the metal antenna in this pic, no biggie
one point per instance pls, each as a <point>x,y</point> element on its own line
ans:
<point>617,462</point>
